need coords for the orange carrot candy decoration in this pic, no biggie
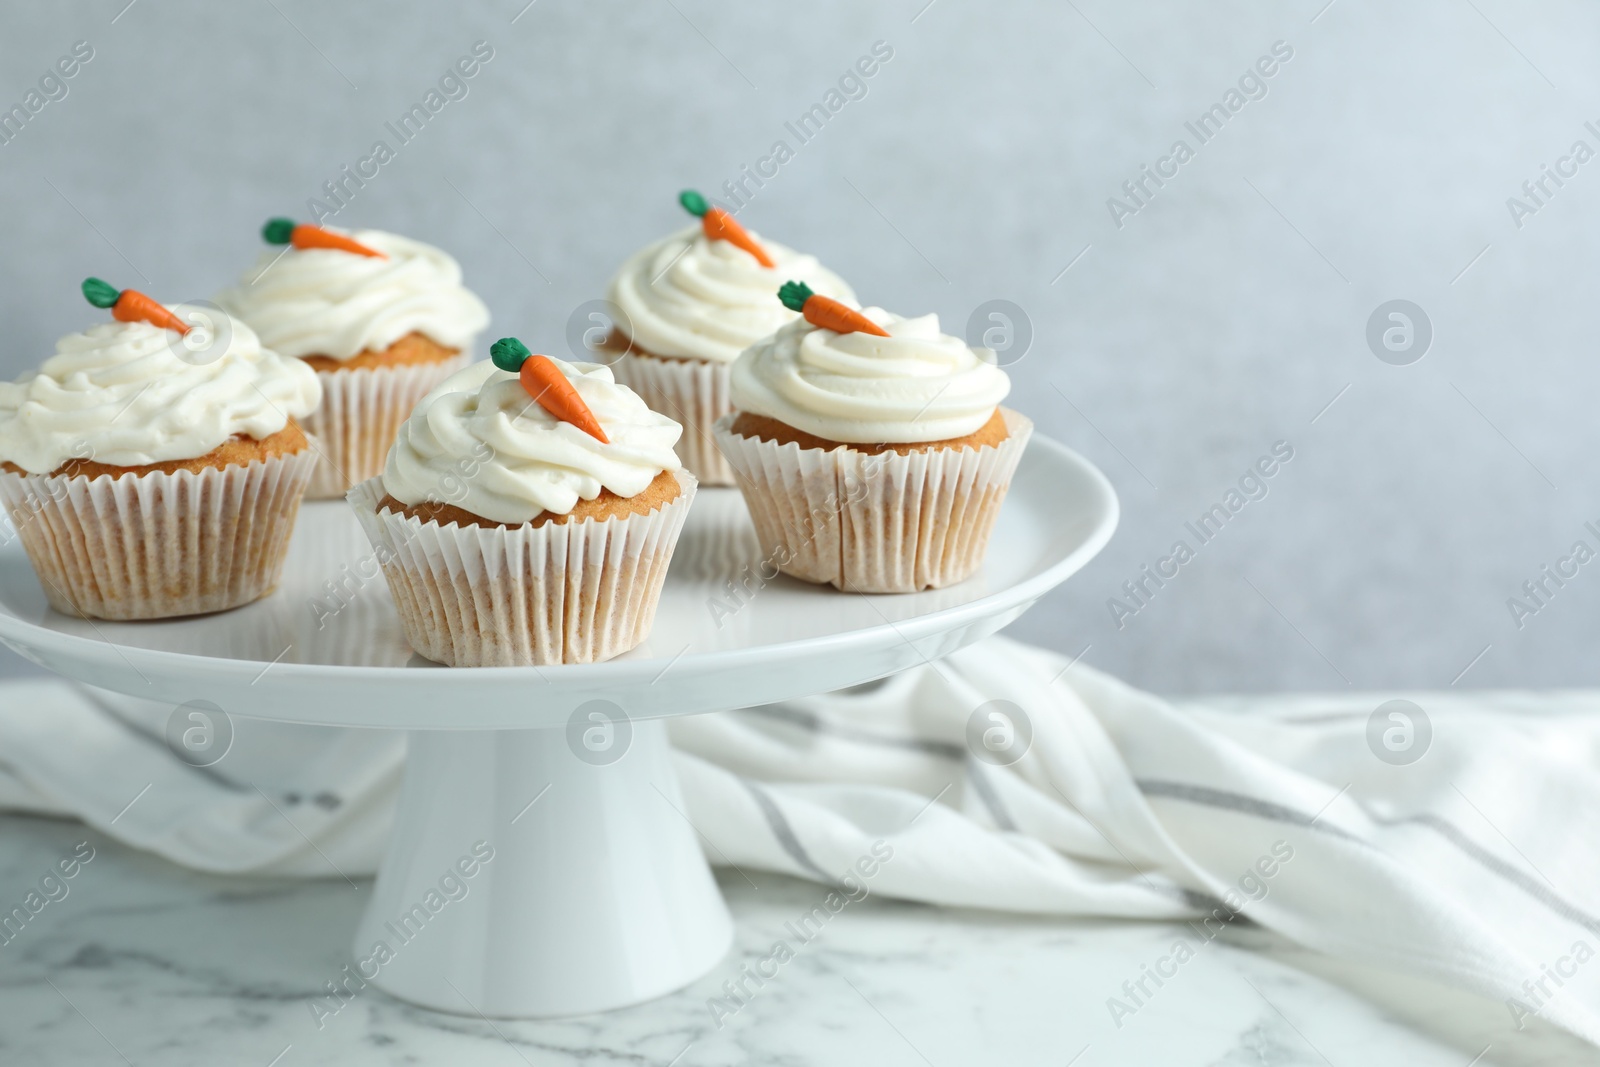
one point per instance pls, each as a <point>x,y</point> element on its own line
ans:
<point>826,312</point>
<point>130,305</point>
<point>546,384</point>
<point>304,236</point>
<point>721,226</point>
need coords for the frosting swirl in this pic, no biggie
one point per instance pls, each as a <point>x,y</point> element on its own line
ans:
<point>324,302</point>
<point>131,394</point>
<point>689,296</point>
<point>480,442</point>
<point>917,384</point>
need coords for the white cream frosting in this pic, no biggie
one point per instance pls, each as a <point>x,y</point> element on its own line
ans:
<point>689,296</point>
<point>917,384</point>
<point>129,394</point>
<point>324,302</point>
<point>480,442</point>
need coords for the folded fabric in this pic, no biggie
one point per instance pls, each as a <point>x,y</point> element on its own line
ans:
<point>1470,864</point>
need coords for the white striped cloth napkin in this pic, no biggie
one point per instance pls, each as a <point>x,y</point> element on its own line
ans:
<point>1475,864</point>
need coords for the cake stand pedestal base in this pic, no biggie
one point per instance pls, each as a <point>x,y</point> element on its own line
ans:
<point>543,872</point>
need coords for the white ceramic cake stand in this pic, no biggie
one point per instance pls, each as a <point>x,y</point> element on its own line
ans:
<point>598,894</point>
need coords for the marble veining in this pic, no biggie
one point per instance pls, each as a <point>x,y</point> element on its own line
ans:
<point>147,964</point>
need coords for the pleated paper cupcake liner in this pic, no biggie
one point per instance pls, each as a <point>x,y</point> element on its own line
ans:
<point>360,416</point>
<point>484,596</point>
<point>153,546</point>
<point>692,391</point>
<point>885,523</point>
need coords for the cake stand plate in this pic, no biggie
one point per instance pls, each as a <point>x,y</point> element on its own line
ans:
<point>542,862</point>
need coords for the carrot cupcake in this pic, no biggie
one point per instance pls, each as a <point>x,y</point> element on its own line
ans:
<point>381,318</point>
<point>871,448</point>
<point>527,513</point>
<point>688,305</point>
<point>154,466</point>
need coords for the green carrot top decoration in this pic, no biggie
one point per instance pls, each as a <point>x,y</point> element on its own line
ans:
<point>544,382</point>
<point>304,235</point>
<point>721,226</point>
<point>825,312</point>
<point>130,305</point>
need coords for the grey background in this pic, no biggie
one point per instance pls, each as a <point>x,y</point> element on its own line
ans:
<point>1224,316</point>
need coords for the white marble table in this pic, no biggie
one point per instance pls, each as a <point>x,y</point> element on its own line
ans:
<point>144,963</point>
